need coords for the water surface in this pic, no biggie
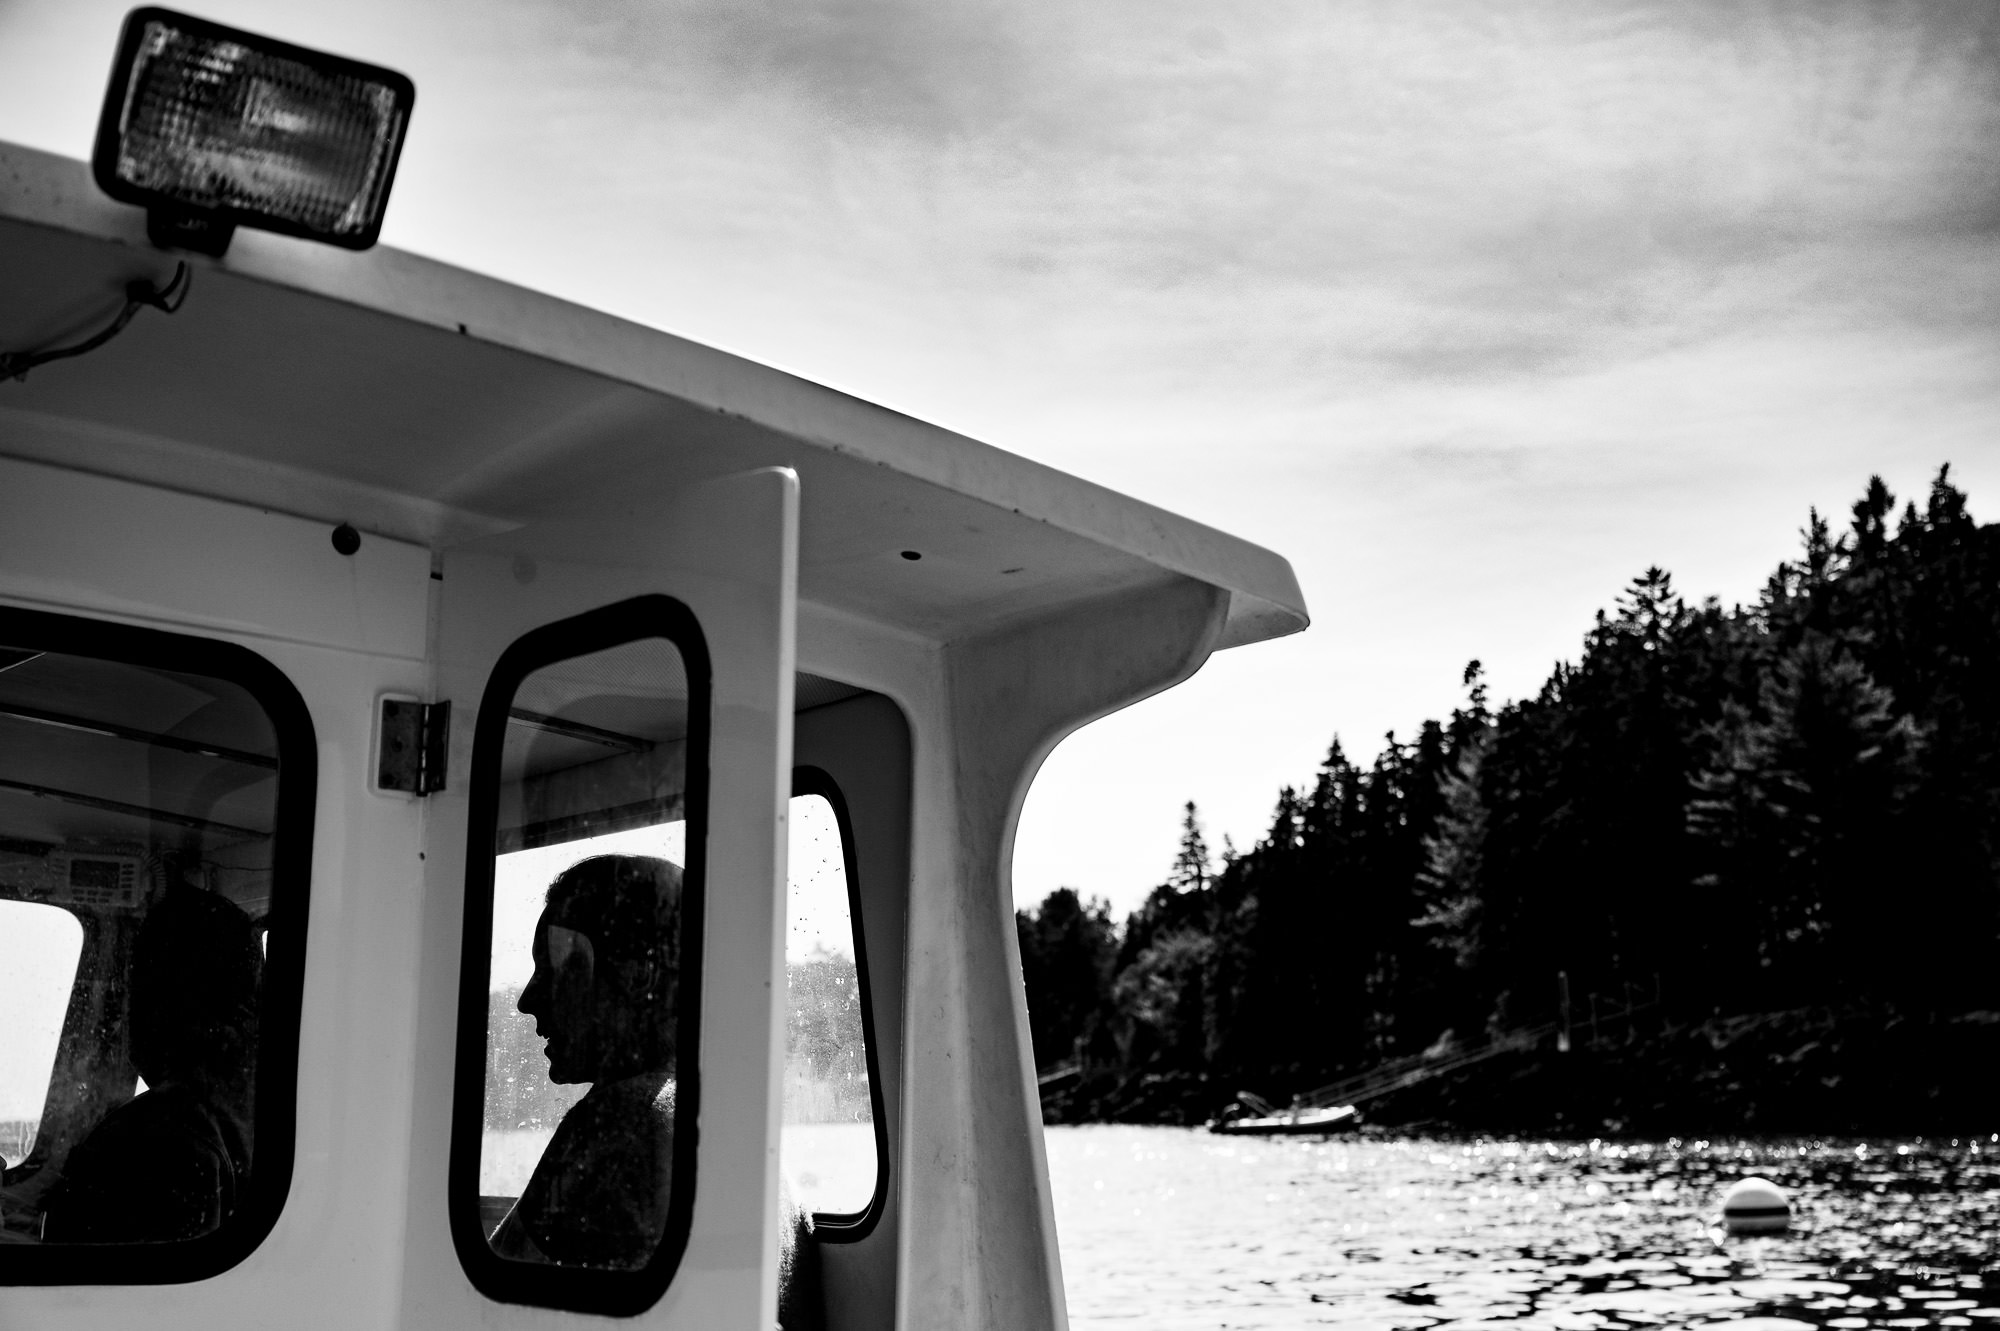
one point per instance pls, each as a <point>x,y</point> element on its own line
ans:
<point>1173,1228</point>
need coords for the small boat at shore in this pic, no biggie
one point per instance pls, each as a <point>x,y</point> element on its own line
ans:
<point>1289,1122</point>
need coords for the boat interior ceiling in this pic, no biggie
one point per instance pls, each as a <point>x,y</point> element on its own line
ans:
<point>105,764</point>
<point>436,406</point>
<point>598,744</point>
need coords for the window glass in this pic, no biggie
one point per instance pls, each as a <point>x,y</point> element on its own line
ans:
<point>577,1145</point>
<point>140,822</point>
<point>830,1156</point>
<point>39,947</point>
<point>522,1105</point>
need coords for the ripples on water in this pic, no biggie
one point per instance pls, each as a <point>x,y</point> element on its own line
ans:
<point>1172,1228</point>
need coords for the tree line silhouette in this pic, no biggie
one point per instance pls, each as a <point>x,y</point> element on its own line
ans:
<point>1787,805</point>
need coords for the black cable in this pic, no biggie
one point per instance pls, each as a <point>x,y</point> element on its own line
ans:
<point>138,294</point>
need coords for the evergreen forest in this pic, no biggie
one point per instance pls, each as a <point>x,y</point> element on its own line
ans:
<point>1732,868</point>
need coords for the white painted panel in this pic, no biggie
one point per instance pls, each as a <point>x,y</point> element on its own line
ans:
<point>728,549</point>
<point>978,1241</point>
<point>69,539</point>
<point>335,1255</point>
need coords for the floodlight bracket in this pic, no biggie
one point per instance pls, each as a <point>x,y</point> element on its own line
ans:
<point>187,229</point>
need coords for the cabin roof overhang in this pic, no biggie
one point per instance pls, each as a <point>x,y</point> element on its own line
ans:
<point>433,404</point>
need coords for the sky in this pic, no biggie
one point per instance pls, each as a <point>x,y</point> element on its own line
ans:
<point>1471,311</point>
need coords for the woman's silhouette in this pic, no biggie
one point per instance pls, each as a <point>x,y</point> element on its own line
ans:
<point>604,995</point>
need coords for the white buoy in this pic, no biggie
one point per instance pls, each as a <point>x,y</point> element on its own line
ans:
<point>1755,1206</point>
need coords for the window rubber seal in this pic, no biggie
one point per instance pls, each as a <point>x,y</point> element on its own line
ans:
<point>281,1003</point>
<point>608,1293</point>
<point>852,1227</point>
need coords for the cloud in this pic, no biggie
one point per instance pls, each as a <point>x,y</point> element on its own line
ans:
<point>1447,192</point>
<point>1471,309</point>
<point>1250,204</point>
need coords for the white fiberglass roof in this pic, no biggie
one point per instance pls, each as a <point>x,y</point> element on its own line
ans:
<point>429,403</point>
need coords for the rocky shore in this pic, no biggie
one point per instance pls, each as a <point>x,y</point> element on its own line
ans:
<point>1855,1071</point>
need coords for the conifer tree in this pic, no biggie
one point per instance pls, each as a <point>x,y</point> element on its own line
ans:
<point>1454,855</point>
<point>1068,946</point>
<point>1804,802</point>
<point>1191,861</point>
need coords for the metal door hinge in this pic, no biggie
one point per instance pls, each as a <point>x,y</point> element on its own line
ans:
<point>412,750</point>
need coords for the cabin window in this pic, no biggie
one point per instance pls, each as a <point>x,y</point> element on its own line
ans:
<point>832,1144</point>
<point>40,945</point>
<point>572,1167</point>
<point>155,817</point>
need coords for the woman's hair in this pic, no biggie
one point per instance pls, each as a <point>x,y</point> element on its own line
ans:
<point>628,905</point>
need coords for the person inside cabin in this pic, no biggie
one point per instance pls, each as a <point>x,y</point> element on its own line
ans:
<point>174,1162</point>
<point>604,995</point>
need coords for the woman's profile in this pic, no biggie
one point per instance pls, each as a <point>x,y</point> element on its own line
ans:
<point>604,996</point>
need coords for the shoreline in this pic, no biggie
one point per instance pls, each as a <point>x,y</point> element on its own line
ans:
<point>1803,1072</point>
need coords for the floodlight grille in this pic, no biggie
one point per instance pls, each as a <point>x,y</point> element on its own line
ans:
<point>215,125</point>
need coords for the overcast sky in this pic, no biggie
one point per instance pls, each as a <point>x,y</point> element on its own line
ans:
<point>1473,311</point>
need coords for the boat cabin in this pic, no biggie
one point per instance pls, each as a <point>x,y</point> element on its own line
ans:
<point>504,810</point>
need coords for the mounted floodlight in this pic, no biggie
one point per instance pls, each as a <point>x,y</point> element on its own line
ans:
<point>208,128</point>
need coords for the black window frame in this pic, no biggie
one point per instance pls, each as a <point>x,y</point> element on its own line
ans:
<point>282,1001</point>
<point>609,1293</point>
<point>835,1226</point>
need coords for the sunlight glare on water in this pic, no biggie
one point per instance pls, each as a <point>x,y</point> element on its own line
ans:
<point>1175,1228</point>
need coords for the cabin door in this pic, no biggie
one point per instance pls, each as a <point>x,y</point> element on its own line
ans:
<point>597,1124</point>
